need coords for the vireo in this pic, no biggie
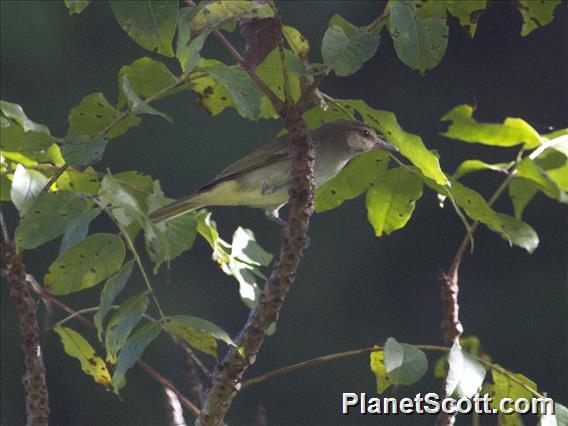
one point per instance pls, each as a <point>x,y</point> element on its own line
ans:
<point>261,179</point>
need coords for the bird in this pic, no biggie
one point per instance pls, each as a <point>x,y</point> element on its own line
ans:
<point>261,179</point>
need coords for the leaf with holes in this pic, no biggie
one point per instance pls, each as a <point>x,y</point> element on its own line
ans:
<point>83,152</point>
<point>297,42</point>
<point>122,322</point>
<point>112,287</point>
<point>133,350</point>
<point>212,14</point>
<point>26,185</point>
<point>197,333</point>
<point>14,138</point>
<point>352,181</point>
<point>77,347</point>
<point>145,77</point>
<point>465,374</point>
<point>212,96</point>
<point>379,369</point>
<point>419,42</point>
<point>85,264</point>
<point>536,14</point>
<point>94,115</point>
<point>262,37</point>
<point>513,131</point>
<point>78,229</point>
<point>405,364</point>
<point>391,199</point>
<point>82,182</point>
<point>151,23</point>
<point>345,53</point>
<point>48,217</point>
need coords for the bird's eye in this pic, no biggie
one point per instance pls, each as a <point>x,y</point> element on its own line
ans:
<point>366,133</point>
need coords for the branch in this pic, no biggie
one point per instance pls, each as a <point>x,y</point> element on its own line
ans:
<point>36,288</point>
<point>37,398</point>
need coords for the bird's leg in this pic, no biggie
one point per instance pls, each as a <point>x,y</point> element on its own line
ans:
<point>272,215</point>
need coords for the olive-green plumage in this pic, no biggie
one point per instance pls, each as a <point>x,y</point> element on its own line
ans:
<point>261,179</point>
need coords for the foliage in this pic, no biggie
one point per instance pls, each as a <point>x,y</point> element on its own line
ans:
<point>51,183</point>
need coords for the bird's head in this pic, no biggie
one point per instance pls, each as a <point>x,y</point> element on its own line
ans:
<point>359,137</point>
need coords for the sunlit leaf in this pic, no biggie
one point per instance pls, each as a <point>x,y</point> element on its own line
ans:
<point>76,6</point>
<point>123,204</point>
<point>77,347</point>
<point>465,374</point>
<point>379,369</point>
<point>16,113</point>
<point>187,48</point>
<point>467,12</point>
<point>146,77</point>
<point>536,14</point>
<point>26,185</point>
<point>520,233</point>
<point>513,131</point>
<point>138,105</point>
<point>48,217</point>
<point>214,13</point>
<point>471,166</point>
<point>150,23</point>
<point>94,115</point>
<point>504,387</point>
<point>112,287</point>
<point>84,182</point>
<point>405,364</point>
<point>419,42</point>
<point>78,152</point>
<point>133,350</point>
<point>391,199</point>
<point>212,96</point>
<point>521,192</point>
<point>122,322</point>
<point>346,53</point>
<point>245,248</point>
<point>85,264</point>
<point>297,42</point>
<point>529,169</point>
<point>555,164</point>
<point>354,179</point>
<point>197,333</point>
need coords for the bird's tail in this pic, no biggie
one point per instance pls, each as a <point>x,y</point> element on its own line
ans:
<point>175,209</point>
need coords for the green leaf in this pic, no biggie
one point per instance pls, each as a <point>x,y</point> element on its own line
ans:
<point>555,164</point>
<point>212,14</point>
<point>244,92</point>
<point>419,41</point>
<point>151,23</point>
<point>123,204</point>
<point>561,413</point>
<point>536,14</point>
<point>81,153</point>
<point>188,49</point>
<point>354,179</point>
<point>16,113</point>
<point>138,105</point>
<point>48,217</point>
<point>472,166</point>
<point>15,138</point>
<point>405,364</point>
<point>465,374</point>
<point>85,264</point>
<point>197,333</point>
<point>77,230</point>
<point>297,42</point>
<point>76,6</point>
<point>345,53</point>
<point>133,350</point>
<point>529,169</point>
<point>520,233</point>
<point>94,115</point>
<point>146,77</point>
<point>411,146</point>
<point>504,387</point>
<point>212,96</point>
<point>26,185</point>
<point>77,347</point>
<point>379,369</point>
<point>156,243</point>
<point>245,248</point>
<point>122,322</point>
<point>112,287</point>
<point>513,131</point>
<point>467,12</point>
<point>82,182</point>
<point>391,200</point>
<point>136,184</point>
<point>521,192</point>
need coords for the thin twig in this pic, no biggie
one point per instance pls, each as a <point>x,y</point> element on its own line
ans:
<point>190,364</point>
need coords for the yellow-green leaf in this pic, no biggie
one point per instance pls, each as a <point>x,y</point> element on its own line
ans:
<point>380,371</point>
<point>536,14</point>
<point>214,13</point>
<point>77,347</point>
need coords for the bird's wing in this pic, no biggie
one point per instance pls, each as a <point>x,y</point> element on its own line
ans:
<point>260,157</point>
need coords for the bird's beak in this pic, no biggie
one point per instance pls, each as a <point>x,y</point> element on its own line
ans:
<point>386,146</point>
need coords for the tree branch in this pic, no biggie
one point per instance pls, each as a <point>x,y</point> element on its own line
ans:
<point>37,398</point>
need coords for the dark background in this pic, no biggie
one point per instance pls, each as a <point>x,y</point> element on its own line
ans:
<point>353,289</point>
